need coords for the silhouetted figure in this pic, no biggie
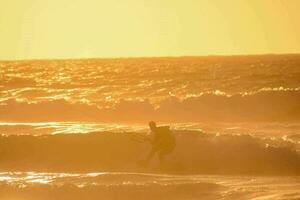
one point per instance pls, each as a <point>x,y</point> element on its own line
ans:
<point>163,142</point>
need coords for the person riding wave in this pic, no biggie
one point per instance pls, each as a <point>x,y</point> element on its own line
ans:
<point>163,142</point>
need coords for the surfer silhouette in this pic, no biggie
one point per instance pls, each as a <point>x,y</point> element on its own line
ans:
<point>163,142</point>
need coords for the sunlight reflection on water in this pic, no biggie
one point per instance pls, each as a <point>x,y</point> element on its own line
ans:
<point>256,187</point>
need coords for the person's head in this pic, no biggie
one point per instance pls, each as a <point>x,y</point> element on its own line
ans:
<point>152,125</point>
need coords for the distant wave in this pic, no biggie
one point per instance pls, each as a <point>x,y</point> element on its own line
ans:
<point>195,153</point>
<point>277,104</point>
<point>184,89</point>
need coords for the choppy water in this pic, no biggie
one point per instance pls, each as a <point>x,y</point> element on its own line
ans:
<point>20,185</point>
<point>235,118</point>
<point>251,88</point>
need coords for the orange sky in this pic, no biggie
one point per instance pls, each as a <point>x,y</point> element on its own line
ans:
<point>133,28</point>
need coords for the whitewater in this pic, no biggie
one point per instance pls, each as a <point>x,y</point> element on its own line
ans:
<point>107,185</point>
<point>72,129</point>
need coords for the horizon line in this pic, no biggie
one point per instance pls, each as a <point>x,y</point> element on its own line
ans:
<point>149,57</point>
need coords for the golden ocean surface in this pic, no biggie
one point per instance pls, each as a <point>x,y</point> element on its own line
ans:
<point>72,129</point>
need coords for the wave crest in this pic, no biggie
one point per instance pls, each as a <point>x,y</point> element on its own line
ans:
<point>265,105</point>
<point>194,153</point>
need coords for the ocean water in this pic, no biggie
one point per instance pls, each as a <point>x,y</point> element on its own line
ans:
<point>107,185</point>
<point>188,89</point>
<point>74,129</point>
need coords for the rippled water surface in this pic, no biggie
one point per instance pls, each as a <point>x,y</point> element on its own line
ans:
<point>188,89</point>
<point>147,186</point>
<point>236,118</point>
<point>105,81</point>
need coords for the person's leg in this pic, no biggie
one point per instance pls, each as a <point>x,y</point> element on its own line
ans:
<point>150,155</point>
<point>162,156</point>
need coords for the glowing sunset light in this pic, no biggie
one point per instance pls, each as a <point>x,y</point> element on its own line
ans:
<point>133,28</point>
<point>149,99</point>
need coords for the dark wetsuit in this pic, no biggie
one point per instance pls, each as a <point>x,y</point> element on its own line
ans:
<point>163,143</point>
<point>164,140</point>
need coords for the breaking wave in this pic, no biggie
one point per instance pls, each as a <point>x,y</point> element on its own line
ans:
<point>234,88</point>
<point>195,153</point>
<point>277,105</point>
